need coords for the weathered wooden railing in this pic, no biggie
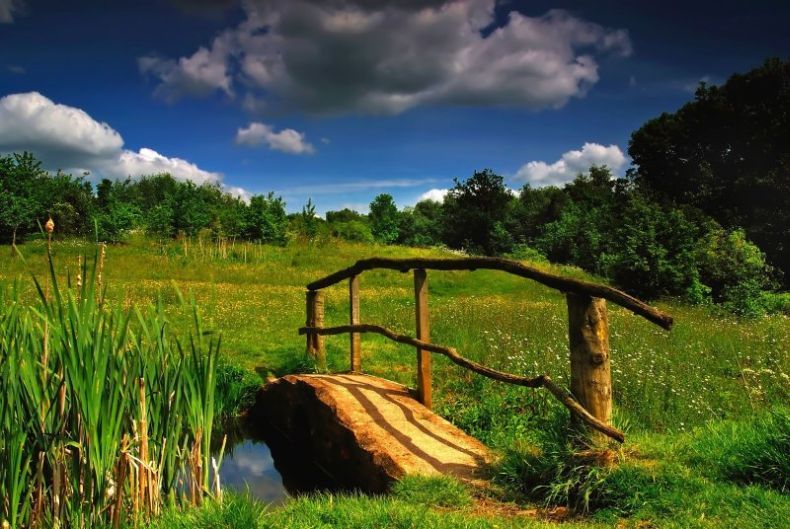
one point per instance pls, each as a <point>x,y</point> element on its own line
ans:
<point>590,399</point>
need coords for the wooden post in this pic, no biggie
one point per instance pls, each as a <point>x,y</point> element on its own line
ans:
<point>315,318</point>
<point>424,390</point>
<point>591,377</point>
<point>353,301</point>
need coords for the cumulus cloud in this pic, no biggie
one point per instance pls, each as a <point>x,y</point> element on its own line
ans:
<point>540,174</point>
<point>200,74</point>
<point>67,137</point>
<point>148,161</point>
<point>436,195</point>
<point>287,140</point>
<point>386,57</point>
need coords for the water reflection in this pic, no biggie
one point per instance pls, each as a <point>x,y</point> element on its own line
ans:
<point>267,465</point>
<point>249,466</point>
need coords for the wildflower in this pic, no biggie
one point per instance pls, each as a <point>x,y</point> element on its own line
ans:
<point>50,226</point>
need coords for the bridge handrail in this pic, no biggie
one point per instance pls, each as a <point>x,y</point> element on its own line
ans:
<point>534,382</point>
<point>563,284</point>
<point>590,396</point>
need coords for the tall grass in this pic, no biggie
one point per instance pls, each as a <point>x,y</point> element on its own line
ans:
<point>105,414</point>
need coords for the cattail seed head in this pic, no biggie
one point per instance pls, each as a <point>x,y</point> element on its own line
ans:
<point>50,226</point>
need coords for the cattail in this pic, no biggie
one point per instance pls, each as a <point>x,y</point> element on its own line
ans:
<point>50,226</point>
<point>99,293</point>
<point>79,272</point>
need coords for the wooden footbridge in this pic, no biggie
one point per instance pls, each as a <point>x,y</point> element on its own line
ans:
<point>351,419</point>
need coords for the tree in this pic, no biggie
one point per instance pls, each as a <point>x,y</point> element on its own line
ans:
<point>727,152</point>
<point>475,211</point>
<point>421,225</point>
<point>383,219</point>
<point>16,212</point>
<point>266,219</point>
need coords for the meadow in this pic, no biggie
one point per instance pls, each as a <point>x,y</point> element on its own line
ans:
<point>702,405</point>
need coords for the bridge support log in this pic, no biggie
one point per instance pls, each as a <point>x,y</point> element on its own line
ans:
<point>315,319</point>
<point>424,387</point>
<point>591,376</point>
<point>353,318</point>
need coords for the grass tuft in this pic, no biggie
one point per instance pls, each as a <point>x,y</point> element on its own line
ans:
<point>751,451</point>
<point>435,491</point>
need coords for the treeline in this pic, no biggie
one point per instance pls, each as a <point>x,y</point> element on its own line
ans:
<point>706,182</point>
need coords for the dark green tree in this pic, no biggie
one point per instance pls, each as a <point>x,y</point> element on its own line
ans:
<point>474,213</point>
<point>727,152</point>
<point>383,218</point>
<point>266,219</point>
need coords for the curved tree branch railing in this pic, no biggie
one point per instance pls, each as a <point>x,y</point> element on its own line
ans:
<point>563,284</point>
<point>590,398</point>
<point>535,382</point>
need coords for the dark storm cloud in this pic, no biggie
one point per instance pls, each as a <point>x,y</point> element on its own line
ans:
<point>385,57</point>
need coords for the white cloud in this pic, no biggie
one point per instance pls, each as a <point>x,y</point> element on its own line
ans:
<point>437,195</point>
<point>67,134</point>
<point>539,174</point>
<point>65,137</point>
<point>287,140</point>
<point>200,74</point>
<point>148,161</point>
<point>353,187</point>
<point>387,57</point>
<point>7,10</point>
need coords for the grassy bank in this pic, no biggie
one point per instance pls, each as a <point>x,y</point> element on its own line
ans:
<point>710,376</point>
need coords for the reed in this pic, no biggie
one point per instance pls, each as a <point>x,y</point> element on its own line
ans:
<point>106,414</point>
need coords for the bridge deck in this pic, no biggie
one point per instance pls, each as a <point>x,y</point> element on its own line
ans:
<point>357,419</point>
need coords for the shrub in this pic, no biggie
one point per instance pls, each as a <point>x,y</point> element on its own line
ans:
<point>352,230</point>
<point>236,390</point>
<point>726,259</point>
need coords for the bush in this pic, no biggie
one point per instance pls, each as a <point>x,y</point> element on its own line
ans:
<point>727,260</point>
<point>236,390</point>
<point>352,230</point>
<point>523,252</point>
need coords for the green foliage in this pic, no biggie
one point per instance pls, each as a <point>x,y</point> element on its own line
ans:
<point>383,219</point>
<point>421,225</point>
<point>474,214</point>
<point>307,225</point>
<point>110,384</point>
<point>726,153</point>
<point>751,451</point>
<point>651,250</point>
<point>237,388</point>
<point>118,220</point>
<point>352,230</point>
<point>523,252</point>
<point>735,270</point>
<point>266,220</point>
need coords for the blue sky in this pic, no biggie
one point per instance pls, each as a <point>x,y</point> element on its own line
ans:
<point>340,100</point>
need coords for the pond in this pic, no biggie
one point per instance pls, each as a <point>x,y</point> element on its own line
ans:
<point>265,465</point>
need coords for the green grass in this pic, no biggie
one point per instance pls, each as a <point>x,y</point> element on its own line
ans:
<point>104,411</point>
<point>674,391</point>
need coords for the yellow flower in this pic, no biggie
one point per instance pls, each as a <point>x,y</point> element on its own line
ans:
<point>50,225</point>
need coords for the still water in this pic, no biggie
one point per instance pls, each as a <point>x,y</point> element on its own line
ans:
<point>249,466</point>
<point>270,468</point>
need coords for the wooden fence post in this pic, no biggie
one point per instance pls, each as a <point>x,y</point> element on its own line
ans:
<point>591,376</point>
<point>315,318</point>
<point>353,298</point>
<point>424,390</point>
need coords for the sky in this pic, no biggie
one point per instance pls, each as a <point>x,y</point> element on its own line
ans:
<point>340,100</point>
